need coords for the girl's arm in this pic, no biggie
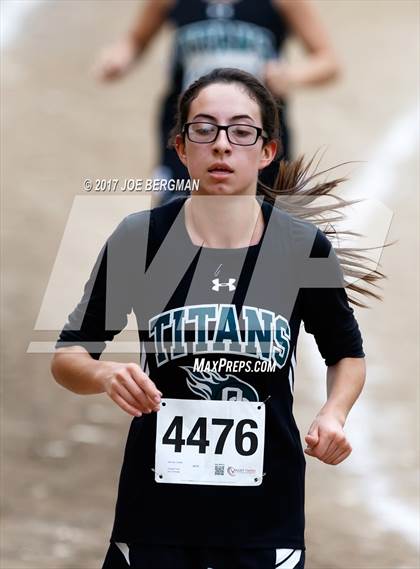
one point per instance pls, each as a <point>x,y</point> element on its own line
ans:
<point>319,66</point>
<point>326,439</point>
<point>117,59</point>
<point>125,383</point>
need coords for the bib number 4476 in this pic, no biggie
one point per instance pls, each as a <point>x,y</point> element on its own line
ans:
<point>210,442</point>
<point>246,443</point>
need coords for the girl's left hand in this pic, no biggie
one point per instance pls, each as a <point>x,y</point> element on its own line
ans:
<point>327,441</point>
<point>277,77</point>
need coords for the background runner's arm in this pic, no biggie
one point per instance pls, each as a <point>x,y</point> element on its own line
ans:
<point>116,59</point>
<point>151,18</point>
<point>321,63</point>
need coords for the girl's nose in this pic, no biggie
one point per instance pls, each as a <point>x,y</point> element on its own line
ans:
<point>222,142</point>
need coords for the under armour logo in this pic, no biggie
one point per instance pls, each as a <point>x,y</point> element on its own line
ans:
<point>217,285</point>
<point>219,10</point>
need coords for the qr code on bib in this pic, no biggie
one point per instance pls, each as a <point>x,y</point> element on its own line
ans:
<point>219,469</point>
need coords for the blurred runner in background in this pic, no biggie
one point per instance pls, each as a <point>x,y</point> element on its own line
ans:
<point>244,34</point>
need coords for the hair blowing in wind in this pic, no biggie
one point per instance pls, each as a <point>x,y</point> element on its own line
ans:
<point>300,191</point>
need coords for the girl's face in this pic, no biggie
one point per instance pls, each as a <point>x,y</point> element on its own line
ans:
<point>223,167</point>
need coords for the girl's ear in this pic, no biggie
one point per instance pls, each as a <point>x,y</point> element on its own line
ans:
<point>268,153</point>
<point>180,148</point>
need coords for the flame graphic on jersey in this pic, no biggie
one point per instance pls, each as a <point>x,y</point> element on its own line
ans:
<point>211,385</point>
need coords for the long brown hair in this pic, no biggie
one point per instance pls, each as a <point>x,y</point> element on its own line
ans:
<point>297,189</point>
<point>297,179</point>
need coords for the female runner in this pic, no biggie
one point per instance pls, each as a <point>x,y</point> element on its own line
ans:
<point>213,472</point>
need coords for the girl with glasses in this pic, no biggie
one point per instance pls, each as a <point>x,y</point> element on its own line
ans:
<point>213,472</point>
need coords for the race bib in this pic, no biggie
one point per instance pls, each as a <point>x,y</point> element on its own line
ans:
<point>210,442</point>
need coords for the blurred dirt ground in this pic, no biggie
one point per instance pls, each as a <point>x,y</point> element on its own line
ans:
<point>61,453</point>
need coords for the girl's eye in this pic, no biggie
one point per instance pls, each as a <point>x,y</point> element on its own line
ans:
<point>242,132</point>
<point>204,129</point>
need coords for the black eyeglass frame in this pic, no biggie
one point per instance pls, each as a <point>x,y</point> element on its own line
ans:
<point>259,132</point>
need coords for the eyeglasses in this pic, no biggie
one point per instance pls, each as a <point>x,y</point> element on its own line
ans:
<point>207,132</point>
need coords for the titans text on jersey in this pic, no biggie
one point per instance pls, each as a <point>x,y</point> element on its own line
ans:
<point>217,328</point>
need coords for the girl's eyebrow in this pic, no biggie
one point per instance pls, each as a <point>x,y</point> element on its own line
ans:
<point>212,118</point>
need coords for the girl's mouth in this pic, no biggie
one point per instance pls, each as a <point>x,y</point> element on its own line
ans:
<point>220,171</point>
<point>219,174</point>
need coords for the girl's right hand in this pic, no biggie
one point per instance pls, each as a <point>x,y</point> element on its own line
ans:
<point>130,388</point>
